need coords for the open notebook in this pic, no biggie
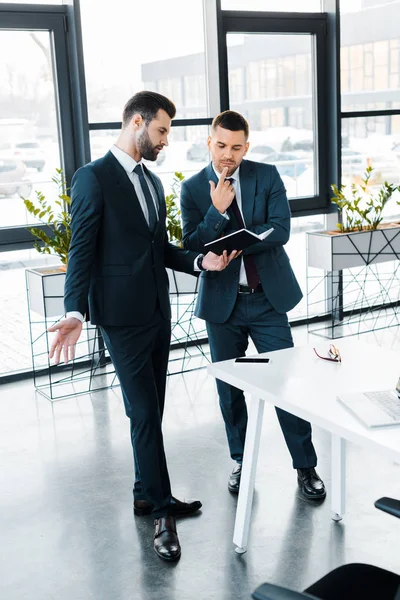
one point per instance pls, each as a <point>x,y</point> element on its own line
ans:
<point>238,240</point>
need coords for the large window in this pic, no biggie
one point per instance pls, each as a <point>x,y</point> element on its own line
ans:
<point>273,5</point>
<point>368,146</point>
<point>370,55</point>
<point>271,83</point>
<point>276,79</point>
<point>29,139</point>
<point>15,347</point>
<point>132,47</point>
<point>32,2</point>
<point>187,151</point>
<point>370,84</point>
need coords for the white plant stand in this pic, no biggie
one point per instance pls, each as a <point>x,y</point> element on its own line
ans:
<point>92,370</point>
<point>359,287</point>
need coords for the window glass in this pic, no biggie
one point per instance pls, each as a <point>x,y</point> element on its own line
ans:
<point>15,347</point>
<point>271,85</point>
<point>273,5</point>
<point>31,2</point>
<point>296,250</point>
<point>128,49</point>
<point>373,141</point>
<point>29,140</point>
<point>187,152</point>
<point>370,67</point>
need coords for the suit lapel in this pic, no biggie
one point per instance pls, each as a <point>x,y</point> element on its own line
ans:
<point>248,183</point>
<point>210,175</point>
<point>131,205</point>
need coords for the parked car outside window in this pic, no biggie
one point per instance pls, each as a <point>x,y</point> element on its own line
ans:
<point>29,152</point>
<point>13,179</point>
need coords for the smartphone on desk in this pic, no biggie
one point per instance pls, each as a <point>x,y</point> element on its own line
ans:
<point>250,359</point>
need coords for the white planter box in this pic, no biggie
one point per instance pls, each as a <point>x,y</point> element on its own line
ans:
<point>181,283</point>
<point>46,291</point>
<point>334,252</point>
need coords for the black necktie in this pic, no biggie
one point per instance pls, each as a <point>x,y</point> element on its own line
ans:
<point>148,197</point>
<point>249,263</point>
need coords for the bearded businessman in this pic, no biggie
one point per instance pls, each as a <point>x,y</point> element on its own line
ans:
<point>116,266</point>
<point>252,296</point>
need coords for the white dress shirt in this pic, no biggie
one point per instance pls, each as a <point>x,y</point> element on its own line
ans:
<point>128,163</point>
<point>238,194</point>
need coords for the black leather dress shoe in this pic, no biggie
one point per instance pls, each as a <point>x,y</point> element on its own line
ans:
<point>311,485</point>
<point>234,479</point>
<point>166,542</point>
<point>177,508</point>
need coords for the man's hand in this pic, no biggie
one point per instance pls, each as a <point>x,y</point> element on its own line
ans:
<point>68,332</point>
<point>213,262</point>
<point>222,194</point>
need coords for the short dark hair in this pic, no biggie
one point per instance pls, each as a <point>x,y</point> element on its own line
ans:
<point>234,121</point>
<point>147,104</point>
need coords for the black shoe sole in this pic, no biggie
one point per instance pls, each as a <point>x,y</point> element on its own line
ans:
<point>143,512</point>
<point>168,559</point>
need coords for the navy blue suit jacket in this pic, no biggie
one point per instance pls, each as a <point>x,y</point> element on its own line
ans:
<point>264,205</point>
<point>116,266</point>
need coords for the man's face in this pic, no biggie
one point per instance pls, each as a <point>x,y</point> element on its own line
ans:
<point>153,137</point>
<point>227,149</point>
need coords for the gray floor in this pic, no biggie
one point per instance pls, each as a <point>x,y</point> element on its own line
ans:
<point>67,530</point>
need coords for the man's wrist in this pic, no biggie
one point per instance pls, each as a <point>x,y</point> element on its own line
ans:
<point>199,262</point>
<point>222,211</point>
<point>76,315</point>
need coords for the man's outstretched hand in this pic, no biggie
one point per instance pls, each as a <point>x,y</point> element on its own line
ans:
<point>68,332</point>
<point>213,262</point>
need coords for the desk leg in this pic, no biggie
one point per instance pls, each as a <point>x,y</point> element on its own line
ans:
<point>246,490</point>
<point>338,492</point>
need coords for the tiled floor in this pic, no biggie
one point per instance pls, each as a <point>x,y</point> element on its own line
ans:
<point>67,530</point>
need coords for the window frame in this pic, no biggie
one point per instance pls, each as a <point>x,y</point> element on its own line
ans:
<point>288,23</point>
<point>69,89</point>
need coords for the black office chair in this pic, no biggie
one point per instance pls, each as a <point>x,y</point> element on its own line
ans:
<point>349,582</point>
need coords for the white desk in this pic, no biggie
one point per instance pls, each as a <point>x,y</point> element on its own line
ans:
<point>299,382</point>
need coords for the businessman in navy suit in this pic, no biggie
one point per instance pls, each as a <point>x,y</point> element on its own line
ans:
<point>116,269</point>
<point>252,296</point>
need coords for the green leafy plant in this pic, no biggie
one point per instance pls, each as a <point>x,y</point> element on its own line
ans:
<point>362,209</point>
<point>58,222</point>
<point>174,225</point>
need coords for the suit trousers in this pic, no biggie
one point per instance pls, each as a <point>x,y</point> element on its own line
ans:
<point>140,357</point>
<point>254,317</point>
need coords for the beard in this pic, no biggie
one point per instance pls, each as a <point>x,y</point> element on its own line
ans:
<point>146,148</point>
<point>231,167</point>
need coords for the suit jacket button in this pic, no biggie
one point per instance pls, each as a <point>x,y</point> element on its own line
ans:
<point>216,227</point>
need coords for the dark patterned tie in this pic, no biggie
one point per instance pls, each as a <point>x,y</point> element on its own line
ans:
<point>148,197</point>
<point>249,263</point>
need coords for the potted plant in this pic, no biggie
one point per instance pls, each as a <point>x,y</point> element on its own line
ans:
<point>46,284</point>
<point>361,238</point>
<point>179,283</point>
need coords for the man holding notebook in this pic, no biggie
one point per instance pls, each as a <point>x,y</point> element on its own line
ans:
<point>251,297</point>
